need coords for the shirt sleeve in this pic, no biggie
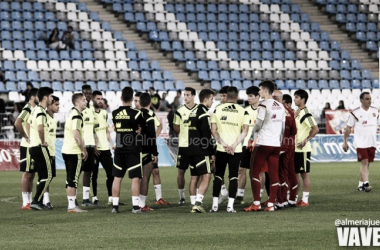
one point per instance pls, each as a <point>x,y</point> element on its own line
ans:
<point>310,121</point>
<point>214,118</point>
<point>246,118</point>
<point>177,118</point>
<point>261,112</point>
<point>157,122</point>
<point>41,119</point>
<point>378,118</point>
<point>151,133</point>
<point>25,113</point>
<point>76,123</point>
<point>351,120</point>
<point>204,126</point>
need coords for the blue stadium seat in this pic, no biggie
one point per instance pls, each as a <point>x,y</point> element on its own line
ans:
<point>158,85</point>
<point>345,84</point>
<point>57,86</point>
<point>355,84</point>
<point>280,84</point>
<point>32,76</point>
<point>312,84</point>
<point>300,84</point>
<point>375,83</point>
<point>68,86</point>
<point>366,74</point>
<point>102,86</point>
<point>10,86</point>
<point>323,84</point>
<point>289,84</point>
<point>124,84</point>
<point>78,86</point>
<point>366,84</point>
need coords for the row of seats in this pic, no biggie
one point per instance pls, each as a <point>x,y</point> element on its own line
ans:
<point>87,75</point>
<point>100,85</point>
<point>300,84</point>
<point>269,74</point>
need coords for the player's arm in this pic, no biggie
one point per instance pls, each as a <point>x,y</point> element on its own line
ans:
<point>350,124</point>
<point>158,124</point>
<point>240,138</point>
<point>152,137</point>
<point>215,133</point>
<point>41,121</point>
<point>20,129</point>
<point>109,138</point>
<point>177,122</point>
<point>261,112</point>
<point>76,125</point>
<point>205,130</point>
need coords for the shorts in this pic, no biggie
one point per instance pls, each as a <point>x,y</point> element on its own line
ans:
<point>302,162</point>
<point>264,166</point>
<point>245,158</point>
<point>200,165</point>
<point>73,163</point>
<point>155,165</point>
<point>88,165</point>
<point>366,153</point>
<point>26,162</point>
<point>53,167</point>
<point>130,162</point>
<point>183,159</point>
<point>147,158</point>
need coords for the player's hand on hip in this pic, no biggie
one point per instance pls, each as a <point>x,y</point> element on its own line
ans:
<point>84,155</point>
<point>155,160</point>
<point>97,152</point>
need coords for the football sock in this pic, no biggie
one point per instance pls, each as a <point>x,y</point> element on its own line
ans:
<point>230,203</point>
<point>157,190</point>
<point>223,190</point>
<point>25,198</point>
<point>181,193</point>
<point>366,182</point>
<point>215,202</point>
<point>71,200</point>
<point>142,200</point>
<point>94,198</point>
<point>240,192</point>
<point>256,203</point>
<point>288,195</point>
<point>261,192</point>
<point>46,198</point>
<point>199,198</point>
<point>360,183</point>
<point>109,198</point>
<point>86,193</point>
<point>270,204</point>
<point>30,197</point>
<point>115,201</point>
<point>192,199</point>
<point>135,202</point>
<point>305,197</point>
<point>197,190</point>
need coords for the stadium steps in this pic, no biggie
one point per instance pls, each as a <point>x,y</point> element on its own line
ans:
<point>346,43</point>
<point>141,43</point>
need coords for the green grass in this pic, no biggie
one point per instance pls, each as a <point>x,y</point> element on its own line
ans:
<point>333,196</point>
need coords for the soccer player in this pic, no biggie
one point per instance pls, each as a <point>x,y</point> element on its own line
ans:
<point>52,109</point>
<point>286,160</point>
<point>181,126</point>
<point>89,123</point>
<point>253,100</point>
<point>149,148</point>
<point>201,148</point>
<point>306,129</point>
<point>102,151</point>
<point>128,150</point>
<point>73,150</point>
<point>292,181</point>
<point>229,126</point>
<point>365,119</point>
<point>269,129</point>
<point>223,190</point>
<point>39,147</point>
<point>26,164</point>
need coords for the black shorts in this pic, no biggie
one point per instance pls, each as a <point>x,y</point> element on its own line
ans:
<point>302,162</point>
<point>200,165</point>
<point>88,165</point>
<point>73,164</point>
<point>53,167</point>
<point>124,162</point>
<point>155,165</point>
<point>245,161</point>
<point>147,158</point>
<point>26,162</point>
<point>183,158</point>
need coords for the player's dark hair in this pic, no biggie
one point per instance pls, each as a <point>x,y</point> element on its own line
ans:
<point>127,94</point>
<point>287,98</point>
<point>205,94</point>
<point>32,92</point>
<point>95,93</point>
<point>191,90</point>
<point>138,94</point>
<point>253,90</point>
<point>363,94</point>
<point>223,90</point>
<point>302,94</point>
<point>86,86</point>
<point>232,93</point>
<point>44,91</point>
<point>29,84</point>
<point>151,88</point>
<point>75,97</point>
<point>268,85</point>
<point>179,91</point>
<point>55,99</point>
<point>145,100</point>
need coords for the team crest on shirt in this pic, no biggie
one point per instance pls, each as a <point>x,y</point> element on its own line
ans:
<point>223,118</point>
<point>374,114</point>
<point>118,125</point>
<point>364,122</point>
<point>274,116</point>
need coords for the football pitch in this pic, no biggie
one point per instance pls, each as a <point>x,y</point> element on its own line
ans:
<point>333,196</point>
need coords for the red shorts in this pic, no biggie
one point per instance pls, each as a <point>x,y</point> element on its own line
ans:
<point>366,153</point>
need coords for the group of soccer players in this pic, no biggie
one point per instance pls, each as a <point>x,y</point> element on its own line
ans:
<point>267,137</point>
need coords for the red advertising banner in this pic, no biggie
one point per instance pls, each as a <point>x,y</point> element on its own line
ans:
<point>336,121</point>
<point>9,155</point>
<point>163,117</point>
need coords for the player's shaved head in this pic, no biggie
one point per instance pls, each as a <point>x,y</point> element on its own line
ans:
<point>277,95</point>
